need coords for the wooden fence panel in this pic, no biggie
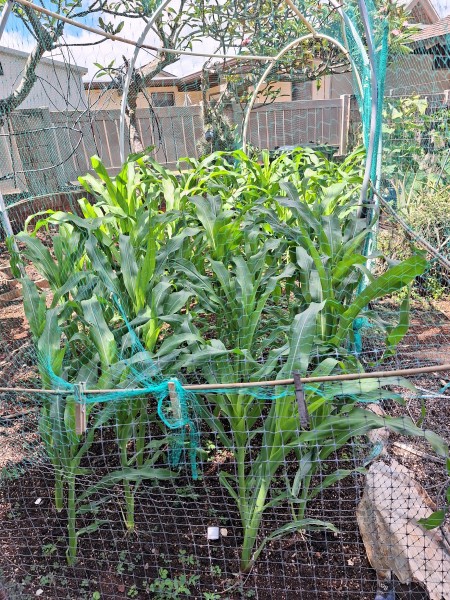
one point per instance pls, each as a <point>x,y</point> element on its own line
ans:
<point>49,149</point>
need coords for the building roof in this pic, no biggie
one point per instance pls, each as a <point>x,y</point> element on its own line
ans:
<point>148,68</point>
<point>423,11</point>
<point>442,27</point>
<point>44,60</point>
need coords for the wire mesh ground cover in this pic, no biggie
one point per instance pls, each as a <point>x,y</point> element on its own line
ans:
<point>171,523</point>
<point>318,563</point>
<point>173,518</point>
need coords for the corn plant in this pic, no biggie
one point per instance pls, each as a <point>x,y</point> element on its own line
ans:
<point>228,272</point>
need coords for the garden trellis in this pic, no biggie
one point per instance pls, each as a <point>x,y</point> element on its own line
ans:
<point>219,342</point>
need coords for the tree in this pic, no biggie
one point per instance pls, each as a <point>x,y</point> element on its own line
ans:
<point>48,31</point>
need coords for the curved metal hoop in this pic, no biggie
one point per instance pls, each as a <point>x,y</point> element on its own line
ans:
<point>263,78</point>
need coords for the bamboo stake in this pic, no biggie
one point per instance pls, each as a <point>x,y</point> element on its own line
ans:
<point>174,401</point>
<point>118,38</point>
<point>80,408</point>
<point>252,384</point>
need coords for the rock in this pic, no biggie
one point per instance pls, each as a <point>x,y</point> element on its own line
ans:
<point>387,515</point>
<point>378,436</point>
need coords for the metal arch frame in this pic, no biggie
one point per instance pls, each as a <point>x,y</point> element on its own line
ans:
<point>263,77</point>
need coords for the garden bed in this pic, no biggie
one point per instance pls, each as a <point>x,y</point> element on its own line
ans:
<point>172,521</point>
<point>214,295</point>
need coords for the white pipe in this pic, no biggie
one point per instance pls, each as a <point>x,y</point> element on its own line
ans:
<point>126,87</point>
<point>8,230</point>
<point>5,14</point>
<point>292,44</point>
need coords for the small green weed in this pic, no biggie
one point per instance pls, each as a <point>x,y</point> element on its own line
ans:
<point>168,588</point>
<point>216,571</point>
<point>187,560</point>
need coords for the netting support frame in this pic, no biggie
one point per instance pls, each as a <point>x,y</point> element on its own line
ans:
<point>263,77</point>
<point>5,15</point>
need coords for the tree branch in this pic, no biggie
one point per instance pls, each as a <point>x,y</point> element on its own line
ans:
<point>14,100</point>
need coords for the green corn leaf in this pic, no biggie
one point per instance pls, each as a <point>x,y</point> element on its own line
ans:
<point>301,338</point>
<point>127,474</point>
<point>391,281</point>
<point>174,341</point>
<point>34,306</point>
<point>41,258</point>
<point>129,270</point>
<point>99,332</point>
<point>92,528</point>
<point>301,524</point>
<point>49,345</point>
<point>397,333</point>
<point>113,196</point>
<point>224,480</point>
<point>102,266</point>
<point>333,478</point>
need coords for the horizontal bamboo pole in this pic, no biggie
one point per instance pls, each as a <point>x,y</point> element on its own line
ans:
<point>252,384</point>
<point>118,38</point>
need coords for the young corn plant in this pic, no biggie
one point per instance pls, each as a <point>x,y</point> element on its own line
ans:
<point>230,273</point>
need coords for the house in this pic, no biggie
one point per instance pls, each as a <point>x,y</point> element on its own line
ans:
<point>420,11</point>
<point>59,85</point>
<point>105,95</point>
<point>167,89</point>
<point>36,146</point>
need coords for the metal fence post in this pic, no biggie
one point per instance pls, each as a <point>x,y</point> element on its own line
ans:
<point>345,123</point>
<point>5,14</point>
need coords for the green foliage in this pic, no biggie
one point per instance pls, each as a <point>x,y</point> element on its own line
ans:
<point>172,588</point>
<point>423,201</point>
<point>235,271</point>
<point>438,517</point>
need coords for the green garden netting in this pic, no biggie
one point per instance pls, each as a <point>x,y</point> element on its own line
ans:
<point>216,351</point>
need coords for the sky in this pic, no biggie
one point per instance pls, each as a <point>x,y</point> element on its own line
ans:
<point>442,7</point>
<point>17,37</point>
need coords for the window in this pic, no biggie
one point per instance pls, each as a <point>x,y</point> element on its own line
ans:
<point>163,99</point>
<point>1,69</point>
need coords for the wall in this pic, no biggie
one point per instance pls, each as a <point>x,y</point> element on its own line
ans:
<point>61,87</point>
<point>111,99</point>
<point>414,74</point>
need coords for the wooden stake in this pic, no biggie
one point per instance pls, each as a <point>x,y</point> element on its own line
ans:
<point>300,397</point>
<point>80,408</point>
<point>174,401</point>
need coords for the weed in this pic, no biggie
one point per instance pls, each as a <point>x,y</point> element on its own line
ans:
<point>215,571</point>
<point>168,588</point>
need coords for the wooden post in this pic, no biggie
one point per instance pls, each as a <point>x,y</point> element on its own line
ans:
<point>345,124</point>
<point>300,397</point>
<point>174,401</point>
<point>80,408</point>
<point>446,98</point>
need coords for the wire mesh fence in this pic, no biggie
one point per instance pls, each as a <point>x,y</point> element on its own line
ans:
<point>181,534</point>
